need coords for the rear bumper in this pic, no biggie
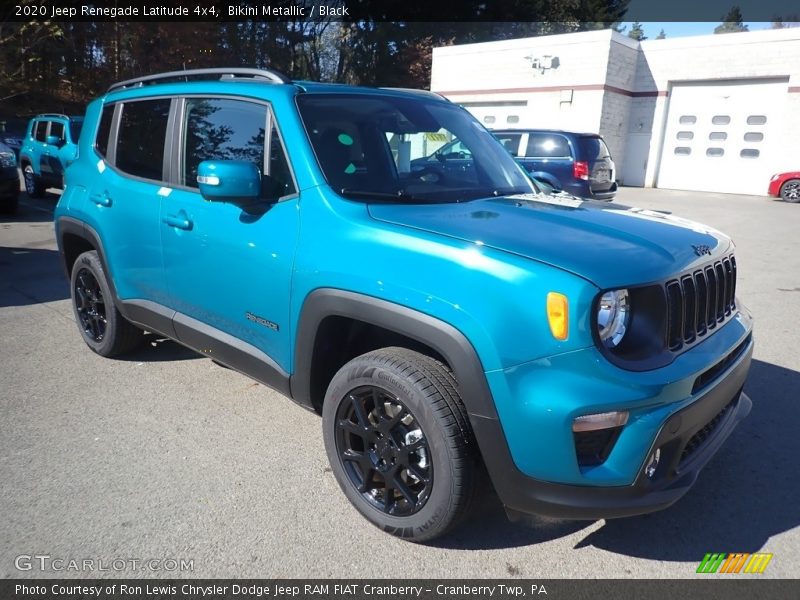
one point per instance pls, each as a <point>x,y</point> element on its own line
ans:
<point>583,189</point>
<point>687,439</point>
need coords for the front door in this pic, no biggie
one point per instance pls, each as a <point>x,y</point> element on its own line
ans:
<point>227,269</point>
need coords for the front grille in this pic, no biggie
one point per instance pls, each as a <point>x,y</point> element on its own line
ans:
<point>699,438</point>
<point>698,302</point>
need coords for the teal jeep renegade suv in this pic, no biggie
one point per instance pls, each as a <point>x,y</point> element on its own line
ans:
<point>590,355</point>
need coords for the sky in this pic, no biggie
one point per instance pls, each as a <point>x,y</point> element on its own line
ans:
<point>686,28</point>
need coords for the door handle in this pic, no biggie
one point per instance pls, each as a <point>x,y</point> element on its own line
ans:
<point>101,199</point>
<point>180,221</point>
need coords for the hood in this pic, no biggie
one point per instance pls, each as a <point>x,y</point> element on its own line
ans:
<point>609,244</point>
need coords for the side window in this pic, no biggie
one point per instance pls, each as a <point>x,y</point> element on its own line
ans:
<point>221,129</point>
<point>57,129</point>
<point>40,131</point>
<point>279,182</point>
<point>510,141</point>
<point>548,146</point>
<point>101,142</point>
<point>140,141</point>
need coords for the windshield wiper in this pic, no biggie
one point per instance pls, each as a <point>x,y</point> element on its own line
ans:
<point>399,196</point>
<point>510,191</point>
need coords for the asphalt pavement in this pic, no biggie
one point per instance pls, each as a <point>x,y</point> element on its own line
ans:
<point>166,456</point>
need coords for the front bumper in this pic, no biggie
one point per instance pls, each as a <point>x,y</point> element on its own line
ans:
<point>686,432</point>
<point>9,182</point>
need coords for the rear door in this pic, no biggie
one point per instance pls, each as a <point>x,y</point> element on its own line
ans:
<point>50,163</point>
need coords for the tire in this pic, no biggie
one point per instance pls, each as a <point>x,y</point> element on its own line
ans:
<point>790,190</point>
<point>33,184</point>
<point>399,442</point>
<point>102,326</point>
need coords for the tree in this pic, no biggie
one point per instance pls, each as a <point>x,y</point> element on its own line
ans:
<point>637,32</point>
<point>732,22</point>
<point>661,35</point>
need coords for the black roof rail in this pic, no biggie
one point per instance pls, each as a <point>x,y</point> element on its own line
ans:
<point>416,91</point>
<point>267,75</point>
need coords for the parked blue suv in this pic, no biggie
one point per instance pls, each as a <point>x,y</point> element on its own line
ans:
<point>590,355</point>
<point>577,163</point>
<point>40,155</point>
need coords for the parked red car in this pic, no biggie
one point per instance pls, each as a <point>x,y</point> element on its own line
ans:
<point>786,186</point>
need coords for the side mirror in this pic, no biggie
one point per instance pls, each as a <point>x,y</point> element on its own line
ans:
<point>68,154</point>
<point>234,181</point>
<point>53,140</point>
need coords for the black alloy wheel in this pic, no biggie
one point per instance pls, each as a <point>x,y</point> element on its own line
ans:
<point>384,451</point>
<point>90,305</point>
<point>399,442</point>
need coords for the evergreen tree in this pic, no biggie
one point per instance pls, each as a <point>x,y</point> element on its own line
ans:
<point>732,22</point>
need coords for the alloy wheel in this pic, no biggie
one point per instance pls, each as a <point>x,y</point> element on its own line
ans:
<point>90,305</point>
<point>384,451</point>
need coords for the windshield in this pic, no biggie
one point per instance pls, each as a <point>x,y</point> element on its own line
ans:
<point>404,149</point>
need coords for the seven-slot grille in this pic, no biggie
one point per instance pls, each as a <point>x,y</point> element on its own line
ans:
<point>698,302</point>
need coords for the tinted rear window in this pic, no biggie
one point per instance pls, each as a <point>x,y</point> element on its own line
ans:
<point>593,148</point>
<point>57,129</point>
<point>547,145</point>
<point>140,141</point>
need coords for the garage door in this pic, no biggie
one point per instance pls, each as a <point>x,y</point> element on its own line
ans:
<point>720,136</point>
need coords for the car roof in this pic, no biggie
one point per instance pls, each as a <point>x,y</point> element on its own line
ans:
<point>535,130</point>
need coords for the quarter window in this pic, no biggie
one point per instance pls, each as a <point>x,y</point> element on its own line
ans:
<point>140,141</point>
<point>101,143</point>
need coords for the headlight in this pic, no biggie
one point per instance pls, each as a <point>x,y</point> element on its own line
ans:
<point>613,316</point>
<point>7,159</point>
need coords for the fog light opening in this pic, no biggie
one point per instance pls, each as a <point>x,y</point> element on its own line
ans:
<point>598,421</point>
<point>652,463</point>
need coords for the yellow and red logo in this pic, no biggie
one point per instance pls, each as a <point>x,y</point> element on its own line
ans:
<point>740,562</point>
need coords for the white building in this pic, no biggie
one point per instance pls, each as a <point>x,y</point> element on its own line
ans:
<point>715,113</point>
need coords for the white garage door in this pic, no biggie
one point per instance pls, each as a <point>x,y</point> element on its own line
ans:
<point>720,136</point>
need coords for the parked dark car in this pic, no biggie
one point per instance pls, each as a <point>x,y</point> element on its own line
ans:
<point>577,163</point>
<point>9,180</point>
<point>11,133</point>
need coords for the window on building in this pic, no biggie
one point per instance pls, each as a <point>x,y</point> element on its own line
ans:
<point>756,120</point>
<point>687,120</point>
<point>683,151</point>
<point>749,153</point>
<point>685,135</point>
<point>715,152</point>
<point>718,136</point>
<point>753,136</point>
<point>720,120</point>
<point>140,141</point>
<point>489,119</point>
<point>512,119</point>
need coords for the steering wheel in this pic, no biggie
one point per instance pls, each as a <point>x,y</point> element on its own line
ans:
<point>429,175</point>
